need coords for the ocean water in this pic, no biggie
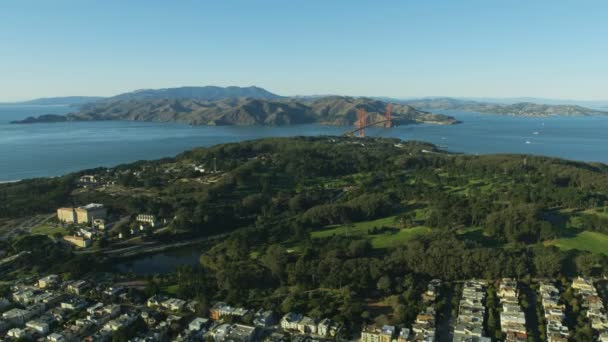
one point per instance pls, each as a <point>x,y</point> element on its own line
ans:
<point>39,150</point>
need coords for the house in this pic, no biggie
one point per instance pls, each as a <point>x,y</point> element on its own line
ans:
<point>88,180</point>
<point>192,306</point>
<point>113,291</point>
<point>307,325</point>
<point>324,327</point>
<point>94,308</point>
<point>120,322</point>
<point>49,281</point>
<point>404,335</point>
<point>77,287</point>
<point>18,333</point>
<point>264,318</point>
<point>173,304</point>
<point>17,316</point>
<point>100,224</point>
<point>370,334</point>
<point>583,284</point>
<point>387,332</point>
<point>221,309</point>
<point>108,311</point>
<point>241,333</point>
<point>39,326</point>
<point>147,219</point>
<point>290,321</point>
<point>155,301</point>
<point>54,337</point>
<point>198,324</point>
<point>24,296</point>
<point>74,303</point>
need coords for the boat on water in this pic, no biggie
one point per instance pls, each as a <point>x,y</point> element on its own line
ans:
<point>528,142</point>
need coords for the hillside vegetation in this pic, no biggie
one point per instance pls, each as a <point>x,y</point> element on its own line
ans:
<point>516,109</point>
<point>326,225</point>
<point>333,110</point>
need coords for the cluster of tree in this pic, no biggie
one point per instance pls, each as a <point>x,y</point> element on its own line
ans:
<point>274,192</point>
<point>523,223</point>
<point>47,255</point>
<point>361,208</point>
<point>594,222</point>
<point>35,196</point>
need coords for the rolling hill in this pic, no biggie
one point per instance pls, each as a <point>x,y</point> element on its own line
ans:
<point>332,110</point>
<point>207,93</point>
<point>516,109</point>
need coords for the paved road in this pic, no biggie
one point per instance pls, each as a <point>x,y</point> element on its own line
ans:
<point>149,247</point>
<point>446,322</point>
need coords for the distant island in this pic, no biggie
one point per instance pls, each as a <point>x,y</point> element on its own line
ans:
<point>42,118</point>
<point>517,109</point>
<point>330,110</point>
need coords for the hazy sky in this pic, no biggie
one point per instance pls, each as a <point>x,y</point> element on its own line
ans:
<point>556,49</point>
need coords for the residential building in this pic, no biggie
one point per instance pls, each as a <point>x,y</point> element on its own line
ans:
<point>370,334</point>
<point>290,321</point>
<point>147,219</point>
<point>198,324</point>
<point>512,318</point>
<point>17,316</point>
<point>173,304</point>
<point>17,333</point>
<point>54,337</point>
<point>77,287</point>
<point>39,326</point>
<point>471,312</point>
<point>48,281</point>
<point>387,332</point>
<point>78,241</point>
<point>307,325</point>
<point>241,333</point>
<point>222,309</point>
<point>264,318</point>
<point>67,215</point>
<point>82,215</point>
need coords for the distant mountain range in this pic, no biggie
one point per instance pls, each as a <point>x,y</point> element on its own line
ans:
<point>516,109</point>
<point>331,110</point>
<point>56,101</point>
<point>207,93</point>
<point>211,105</point>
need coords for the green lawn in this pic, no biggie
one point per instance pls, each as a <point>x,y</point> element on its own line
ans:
<point>46,229</point>
<point>170,289</point>
<point>393,240</point>
<point>587,241</point>
<point>383,240</point>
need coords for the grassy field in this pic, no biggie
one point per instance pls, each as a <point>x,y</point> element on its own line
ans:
<point>170,289</point>
<point>47,229</point>
<point>586,241</point>
<point>382,240</point>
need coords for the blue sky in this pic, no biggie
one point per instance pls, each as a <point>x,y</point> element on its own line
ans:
<point>484,48</point>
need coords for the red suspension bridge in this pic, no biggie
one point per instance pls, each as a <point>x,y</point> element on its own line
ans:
<point>362,122</point>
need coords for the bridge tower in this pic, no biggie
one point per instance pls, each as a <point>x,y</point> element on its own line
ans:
<point>361,122</point>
